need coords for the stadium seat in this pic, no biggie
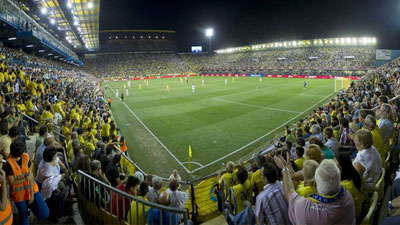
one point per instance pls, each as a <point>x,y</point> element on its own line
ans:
<point>104,217</point>
<point>380,185</point>
<point>233,201</point>
<point>386,162</point>
<point>368,219</point>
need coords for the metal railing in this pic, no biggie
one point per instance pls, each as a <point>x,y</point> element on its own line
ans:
<point>91,188</point>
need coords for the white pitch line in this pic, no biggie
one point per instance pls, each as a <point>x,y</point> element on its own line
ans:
<point>199,164</point>
<point>255,106</point>
<point>270,132</point>
<point>155,137</point>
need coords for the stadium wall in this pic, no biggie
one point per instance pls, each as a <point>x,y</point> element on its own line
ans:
<point>385,55</point>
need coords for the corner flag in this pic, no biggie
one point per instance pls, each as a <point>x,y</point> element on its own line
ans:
<point>190,151</point>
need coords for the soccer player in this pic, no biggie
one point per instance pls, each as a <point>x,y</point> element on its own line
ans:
<point>233,79</point>
<point>106,86</point>
<point>129,84</point>
<point>140,87</point>
<point>167,87</point>
<point>260,80</point>
<point>124,86</point>
<point>122,96</point>
<point>181,80</point>
<point>109,102</point>
<point>193,88</point>
<point>116,93</point>
<point>305,84</point>
<point>226,81</point>
<point>187,80</point>
<point>127,91</point>
<point>202,82</point>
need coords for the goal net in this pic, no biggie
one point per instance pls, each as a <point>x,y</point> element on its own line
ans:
<point>342,83</point>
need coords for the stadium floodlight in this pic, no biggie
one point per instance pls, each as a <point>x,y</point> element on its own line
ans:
<point>52,21</point>
<point>209,34</point>
<point>69,4</point>
<point>12,38</point>
<point>50,54</point>
<point>90,5</point>
<point>294,43</point>
<point>373,40</point>
<point>29,46</point>
<point>41,50</point>
<point>43,10</point>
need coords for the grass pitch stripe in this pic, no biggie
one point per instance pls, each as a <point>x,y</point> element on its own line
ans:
<point>155,137</point>
<point>263,136</point>
<point>255,106</point>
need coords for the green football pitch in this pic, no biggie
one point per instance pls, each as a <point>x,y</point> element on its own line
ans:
<point>220,122</point>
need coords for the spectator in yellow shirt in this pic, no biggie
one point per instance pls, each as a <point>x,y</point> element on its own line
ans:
<point>306,187</point>
<point>242,190</point>
<point>229,176</point>
<point>46,114</point>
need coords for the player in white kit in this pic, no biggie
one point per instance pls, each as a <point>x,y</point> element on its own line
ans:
<point>226,81</point>
<point>116,93</point>
<point>193,88</point>
<point>129,84</point>
<point>260,80</point>
<point>127,91</point>
<point>202,82</point>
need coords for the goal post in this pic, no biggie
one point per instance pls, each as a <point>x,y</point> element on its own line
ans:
<point>342,83</point>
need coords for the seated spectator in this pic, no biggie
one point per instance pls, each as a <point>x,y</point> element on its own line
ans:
<point>48,142</point>
<point>229,175</point>
<point>330,142</point>
<point>242,190</point>
<point>112,171</point>
<point>351,180</point>
<point>313,152</point>
<point>154,192</point>
<point>175,175</point>
<point>328,153</point>
<point>394,213</point>
<point>368,162</point>
<point>307,187</point>
<point>370,125</point>
<point>23,188</point>
<point>332,204</point>
<point>155,216</point>
<point>131,187</point>
<point>177,197</point>
<point>256,179</point>
<point>345,139</point>
<point>7,139</point>
<point>137,212</point>
<point>300,159</point>
<point>54,188</point>
<point>385,122</point>
<point>271,207</point>
<point>97,194</point>
<point>316,132</point>
<point>80,161</point>
<point>41,136</point>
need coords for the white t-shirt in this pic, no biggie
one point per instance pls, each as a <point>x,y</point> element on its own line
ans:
<point>387,128</point>
<point>372,162</point>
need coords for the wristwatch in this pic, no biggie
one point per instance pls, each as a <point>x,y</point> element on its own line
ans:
<point>285,169</point>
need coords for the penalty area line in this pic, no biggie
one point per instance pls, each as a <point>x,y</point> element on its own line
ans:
<point>263,136</point>
<point>152,134</point>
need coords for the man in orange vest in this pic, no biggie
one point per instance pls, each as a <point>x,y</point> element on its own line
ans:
<point>23,189</point>
<point>6,215</point>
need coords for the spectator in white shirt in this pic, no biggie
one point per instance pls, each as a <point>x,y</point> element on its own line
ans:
<point>177,197</point>
<point>330,141</point>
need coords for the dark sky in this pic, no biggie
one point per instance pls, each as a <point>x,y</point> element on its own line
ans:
<point>238,23</point>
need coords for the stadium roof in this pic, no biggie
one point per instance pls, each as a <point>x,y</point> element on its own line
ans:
<point>137,31</point>
<point>78,18</point>
<point>320,42</point>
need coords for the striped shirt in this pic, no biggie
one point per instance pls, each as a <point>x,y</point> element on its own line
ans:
<point>271,207</point>
<point>344,139</point>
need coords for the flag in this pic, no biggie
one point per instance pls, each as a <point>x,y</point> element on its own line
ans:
<point>190,151</point>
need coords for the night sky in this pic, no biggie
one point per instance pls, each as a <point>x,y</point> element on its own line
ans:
<point>238,23</point>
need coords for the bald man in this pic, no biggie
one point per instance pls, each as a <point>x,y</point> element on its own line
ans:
<point>229,176</point>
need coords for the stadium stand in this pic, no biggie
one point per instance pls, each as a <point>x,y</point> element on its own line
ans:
<point>299,61</point>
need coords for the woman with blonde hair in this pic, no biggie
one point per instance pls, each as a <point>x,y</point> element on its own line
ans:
<point>385,122</point>
<point>368,162</point>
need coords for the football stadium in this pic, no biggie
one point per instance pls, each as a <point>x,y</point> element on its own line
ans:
<point>153,112</point>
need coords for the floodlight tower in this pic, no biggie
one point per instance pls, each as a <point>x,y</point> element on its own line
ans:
<point>209,34</point>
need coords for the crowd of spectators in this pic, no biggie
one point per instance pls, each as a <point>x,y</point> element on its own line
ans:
<point>339,61</point>
<point>68,110</point>
<point>135,64</point>
<point>325,169</point>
